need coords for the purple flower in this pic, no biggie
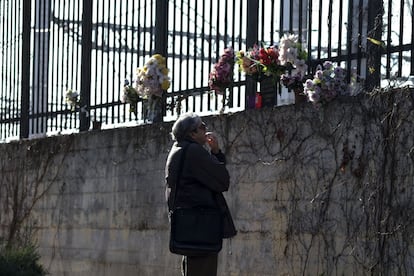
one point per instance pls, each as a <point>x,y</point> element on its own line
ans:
<point>309,84</point>
<point>328,83</point>
<point>319,74</point>
<point>328,65</point>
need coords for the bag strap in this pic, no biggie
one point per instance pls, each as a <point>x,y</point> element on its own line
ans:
<point>180,170</point>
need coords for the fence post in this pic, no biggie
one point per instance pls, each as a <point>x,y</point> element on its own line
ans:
<point>25,93</point>
<point>375,13</point>
<point>85,93</point>
<point>252,36</point>
<point>161,42</point>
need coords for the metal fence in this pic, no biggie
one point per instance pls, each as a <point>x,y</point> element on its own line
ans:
<point>50,46</point>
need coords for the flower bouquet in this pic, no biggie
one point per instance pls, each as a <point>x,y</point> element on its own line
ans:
<point>130,95</point>
<point>261,62</point>
<point>293,57</point>
<point>328,82</point>
<point>221,77</point>
<point>72,99</point>
<point>152,79</point>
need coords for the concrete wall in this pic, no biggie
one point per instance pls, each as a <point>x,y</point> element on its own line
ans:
<point>313,192</point>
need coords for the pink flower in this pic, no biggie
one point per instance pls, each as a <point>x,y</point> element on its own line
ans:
<point>221,76</point>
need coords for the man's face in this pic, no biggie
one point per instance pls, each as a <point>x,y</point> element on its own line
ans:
<point>199,134</point>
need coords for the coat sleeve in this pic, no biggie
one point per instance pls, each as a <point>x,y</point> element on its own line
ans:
<point>207,169</point>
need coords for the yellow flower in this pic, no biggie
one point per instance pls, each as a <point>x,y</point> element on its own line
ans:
<point>165,84</point>
<point>164,71</point>
<point>160,59</point>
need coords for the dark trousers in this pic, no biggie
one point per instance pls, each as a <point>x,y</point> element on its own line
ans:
<point>199,266</point>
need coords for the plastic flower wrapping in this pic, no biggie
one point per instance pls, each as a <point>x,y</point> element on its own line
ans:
<point>221,76</point>
<point>328,82</point>
<point>152,78</point>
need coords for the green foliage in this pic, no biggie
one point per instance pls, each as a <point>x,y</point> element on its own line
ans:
<point>21,262</point>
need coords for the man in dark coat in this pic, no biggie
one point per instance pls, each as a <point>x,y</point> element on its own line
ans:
<point>203,179</point>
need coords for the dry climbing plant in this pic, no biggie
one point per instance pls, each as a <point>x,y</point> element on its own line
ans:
<point>342,180</point>
<point>26,177</point>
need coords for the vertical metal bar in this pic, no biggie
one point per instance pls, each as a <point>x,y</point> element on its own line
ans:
<point>195,59</point>
<point>233,24</point>
<point>86,63</point>
<point>187,64</point>
<point>161,42</point>
<point>53,101</point>
<point>59,68</point>
<point>96,48</point>
<point>109,73</point>
<point>7,55</point>
<point>133,64</point>
<point>35,89</point>
<point>152,29</point>
<point>161,27</point>
<point>401,38</point>
<point>181,56</point>
<point>375,13</point>
<point>226,24</point>
<point>360,31</point>
<point>349,33</point>
<point>320,29</point>
<point>116,53</point>
<point>282,17</point>
<point>45,34</point>
<point>251,39</point>
<point>174,57</point>
<point>225,41</point>
<point>4,126</point>
<point>124,55</point>
<point>104,51</point>
<point>412,43</point>
<point>13,60</point>
<point>300,21</point>
<point>240,43</point>
<point>210,49</point>
<point>340,29</point>
<point>309,40</point>
<point>218,21</point>
<point>17,66</point>
<point>389,40</point>
<point>291,16</point>
<point>203,13</point>
<point>72,43</point>
<point>262,21</point>
<point>233,32</point>
<point>76,42</point>
<point>65,54</point>
<point>330,29</point>
<point>25,58</point>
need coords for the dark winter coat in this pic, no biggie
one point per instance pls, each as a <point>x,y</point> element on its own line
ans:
<point>204,178</point>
